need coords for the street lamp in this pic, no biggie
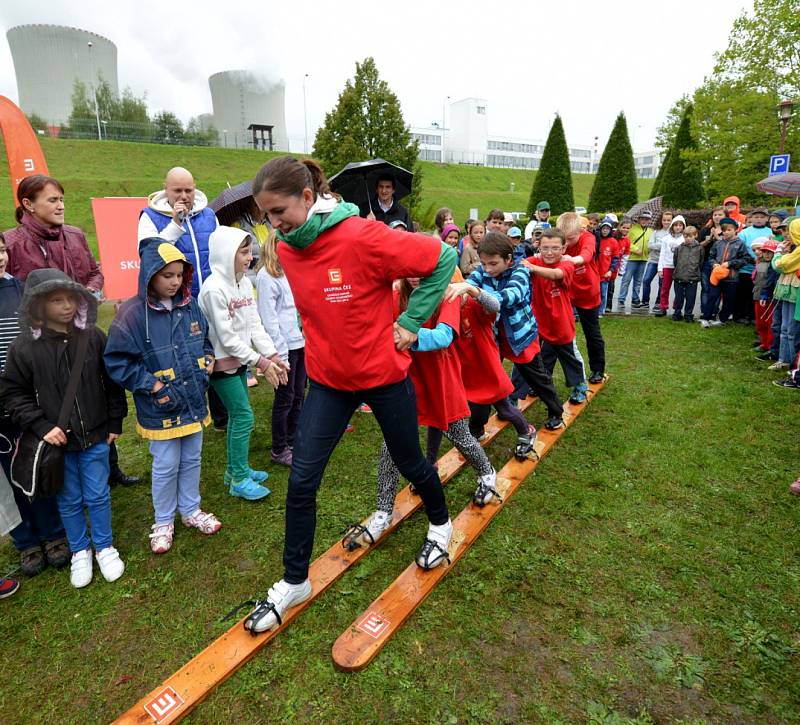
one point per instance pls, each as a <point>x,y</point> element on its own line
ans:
<point>785,109</point>
<point>305,114</point>
<point>94,92</point>
<point>225,135</point>
<point>105,129</point>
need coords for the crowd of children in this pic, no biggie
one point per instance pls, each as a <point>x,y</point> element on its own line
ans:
<point>510,298</point>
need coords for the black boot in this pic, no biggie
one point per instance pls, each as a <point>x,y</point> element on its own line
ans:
<point>118,476</point>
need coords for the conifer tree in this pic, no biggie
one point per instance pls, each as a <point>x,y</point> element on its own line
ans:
<point>614,187</point>
<point>553,181</point>
<point>682,183</point>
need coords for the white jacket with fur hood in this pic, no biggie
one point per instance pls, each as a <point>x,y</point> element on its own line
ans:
<point>234,327</point>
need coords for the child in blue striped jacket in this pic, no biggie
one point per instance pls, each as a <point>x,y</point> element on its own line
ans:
<point>518,337</point>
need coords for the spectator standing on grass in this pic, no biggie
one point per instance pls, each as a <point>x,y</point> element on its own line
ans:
<point>180,215</point>
<point>653,254</point>
<point>757,230</point>
<point>494,222</point>
<point>469,254</point>
<point>764,280</point>
<point>384,207</point>
<point>787,292</point>
<point>709,234</point>
<point>666,262</point>
<point>687,264</point>
<point>728,256</point>
<point>43,241</point>
<point>39,538</point>
<point>639,235</point>
<point>624,251</point>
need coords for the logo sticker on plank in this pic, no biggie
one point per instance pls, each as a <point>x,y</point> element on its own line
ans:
<point>373,624</point>
<point>164,703</point>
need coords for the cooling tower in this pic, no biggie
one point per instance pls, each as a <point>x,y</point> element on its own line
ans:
<point>240,98</point>
<point>48,59</point>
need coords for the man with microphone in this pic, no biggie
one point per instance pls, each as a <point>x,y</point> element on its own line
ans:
<point>179,214</point>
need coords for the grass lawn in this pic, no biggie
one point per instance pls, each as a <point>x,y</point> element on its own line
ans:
<point>114,168</point>
<point>645,573</point>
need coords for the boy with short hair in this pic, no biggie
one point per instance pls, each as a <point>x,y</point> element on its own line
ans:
<point>494,222</point>
<point>508,282</point>
<point>687,265</point>
<point>551,277</point>
<point>729,254</point>
<point>57,316</point>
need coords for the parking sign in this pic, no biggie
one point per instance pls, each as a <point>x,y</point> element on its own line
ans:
<point>778,164</point>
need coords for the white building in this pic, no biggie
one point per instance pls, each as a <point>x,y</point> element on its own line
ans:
<point>648,163</point>
<point>467,141</point>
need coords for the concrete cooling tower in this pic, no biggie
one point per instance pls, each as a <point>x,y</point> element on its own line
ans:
<point>240,98</point>
<point>48,59</point>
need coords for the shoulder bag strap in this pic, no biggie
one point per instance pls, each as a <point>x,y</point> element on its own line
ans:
<point>74,379</point>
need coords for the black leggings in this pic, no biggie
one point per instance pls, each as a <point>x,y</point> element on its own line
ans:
<point>479,417</point>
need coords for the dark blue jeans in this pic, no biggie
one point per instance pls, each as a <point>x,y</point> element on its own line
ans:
<point>325,414</point>
<point>685,296</point>
<point>726,289</point>
<point>288,402</point>
<point>650,273</point>
<point>705,283</point>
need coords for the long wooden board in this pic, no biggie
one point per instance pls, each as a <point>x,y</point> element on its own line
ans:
<point>192,683</point>
<point>365,638</point>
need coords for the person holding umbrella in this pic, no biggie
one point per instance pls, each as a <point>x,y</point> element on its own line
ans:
<point>341,270</point>
<point>384,207</point>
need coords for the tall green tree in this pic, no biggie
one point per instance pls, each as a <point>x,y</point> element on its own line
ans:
<point>763,51</point>
<point>168,128</point>
<point>656,190</point>
<point>614,186</point>
<point>125,116</point>
<point>682,182</point>
<point>367,122</point>
<point>553,180</point>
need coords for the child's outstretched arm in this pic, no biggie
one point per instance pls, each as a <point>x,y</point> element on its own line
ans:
<point>438,338</point>
<point>553,273</point>
<point>424,300</point>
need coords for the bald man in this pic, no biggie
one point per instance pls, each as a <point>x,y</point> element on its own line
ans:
<point>179,214</point>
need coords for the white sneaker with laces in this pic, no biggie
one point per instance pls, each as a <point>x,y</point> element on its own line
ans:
<point>205,523</point>
<point>111,566</point>
<point>80,571</point>
<point>434,548</point>
<point>268,613</point>
<point>778,366</point>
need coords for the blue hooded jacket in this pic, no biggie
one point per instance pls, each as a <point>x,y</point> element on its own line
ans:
<point>148,342</point>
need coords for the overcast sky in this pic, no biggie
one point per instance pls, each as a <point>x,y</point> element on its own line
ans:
<point>582,58</point>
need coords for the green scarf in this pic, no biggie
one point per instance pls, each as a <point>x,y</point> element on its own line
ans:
<point>304,235</point>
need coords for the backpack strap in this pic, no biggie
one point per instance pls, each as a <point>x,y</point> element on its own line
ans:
<point>74,379</point>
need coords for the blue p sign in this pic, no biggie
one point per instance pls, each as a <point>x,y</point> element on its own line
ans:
<point>778,164</point>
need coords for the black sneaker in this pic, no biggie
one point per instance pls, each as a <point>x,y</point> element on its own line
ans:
<point>118,477</point>
<point>766,357</point>
<point>597,377</point>
<point>677,318</point>
<point>688,318</point>
<point>658,312</point>
<point>525,444</point>
<point>786,383</point>
<point>554,422</point>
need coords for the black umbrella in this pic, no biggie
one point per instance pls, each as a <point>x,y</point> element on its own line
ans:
<point>651,205</point>
<point>232,202</point>
<point>357,181</point>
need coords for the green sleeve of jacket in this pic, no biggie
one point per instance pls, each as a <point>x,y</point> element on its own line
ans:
<point>426,298</point>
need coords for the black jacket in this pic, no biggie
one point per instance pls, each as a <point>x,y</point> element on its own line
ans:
<point>734,253</point>
<point>38,367</point>
<point>397,211</point>
<point>35,378</point>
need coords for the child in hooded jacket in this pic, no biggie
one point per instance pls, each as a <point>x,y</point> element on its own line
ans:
<point>279,316</point>
<point>666,261</point>
<point>728,255</point>
<point>764,280</point>
<point>158,348</point>
<point>239,340</point>
<point>56,315</point>
<point>688,265</point>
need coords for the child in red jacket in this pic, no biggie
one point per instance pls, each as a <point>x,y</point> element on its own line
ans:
<point>607,259</point>
<point>552,277</point>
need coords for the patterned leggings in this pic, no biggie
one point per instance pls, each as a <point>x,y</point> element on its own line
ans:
<point>458,434</point>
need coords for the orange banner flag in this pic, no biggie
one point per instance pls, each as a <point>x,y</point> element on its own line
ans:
<point>25,156</point>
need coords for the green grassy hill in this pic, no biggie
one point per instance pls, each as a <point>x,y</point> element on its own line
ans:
<point>111,168</point>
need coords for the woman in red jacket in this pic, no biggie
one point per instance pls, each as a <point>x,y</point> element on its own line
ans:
<point>341,269</point>
<point>42,239</point>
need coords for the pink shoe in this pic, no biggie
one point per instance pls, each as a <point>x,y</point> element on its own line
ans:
<point>795,487</point>
<point>284,458</point>
<point>205,523</point>
<point>161,538</point>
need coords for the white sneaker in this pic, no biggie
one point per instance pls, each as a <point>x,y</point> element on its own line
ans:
<point>434,549</point>
<point>486,490</point>
<point>705,324</point>
<point>268,613</point>
<point>778,366</point>
<point>111,566</point>
<point>716,323</point>
<point>80,571</point>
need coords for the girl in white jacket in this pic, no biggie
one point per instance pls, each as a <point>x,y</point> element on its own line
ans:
<point>279,317</point>
<point>239,340</point>
<point>666,261</point>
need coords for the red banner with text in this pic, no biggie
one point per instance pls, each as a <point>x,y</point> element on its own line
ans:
<point>116,219</point>
<point>24,154</point>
